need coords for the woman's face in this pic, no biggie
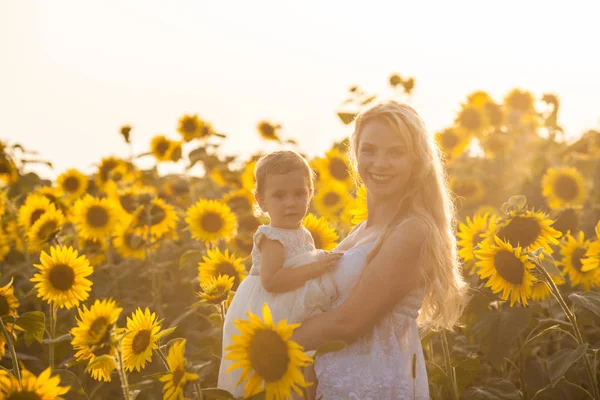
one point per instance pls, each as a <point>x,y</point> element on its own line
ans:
<point>384,162</point>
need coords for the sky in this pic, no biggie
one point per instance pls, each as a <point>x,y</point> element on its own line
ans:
<point>73,72</point>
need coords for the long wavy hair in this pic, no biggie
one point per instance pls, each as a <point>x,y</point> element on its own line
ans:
<point>426,197</point>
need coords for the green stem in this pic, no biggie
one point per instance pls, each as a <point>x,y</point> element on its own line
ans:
<point>13,353</point>
<point>448,364</point>
<point>53,315</point>
<point>164,360</point>
<point>123,376</point>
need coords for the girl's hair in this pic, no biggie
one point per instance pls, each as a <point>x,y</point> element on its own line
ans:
<point>426,197</point>
<point>281,162</point>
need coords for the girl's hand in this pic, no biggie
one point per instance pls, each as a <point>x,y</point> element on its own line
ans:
<point>326,262</point>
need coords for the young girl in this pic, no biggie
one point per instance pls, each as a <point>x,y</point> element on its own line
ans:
<point>287,272</point>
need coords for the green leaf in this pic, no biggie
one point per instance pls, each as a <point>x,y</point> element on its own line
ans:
<point>216,394</point>
<point>34,324</point>
<point>330,347</point>
<point>497,331</point>
<point>347,118</point>
<point>68,378</point>
<point>518,201</point>
<point>171,343</point>
<point>549,264</point>
<point>190,258</point>
<point>467,370</point>
<point>166,332</point>
<point>561,361</point>
<point>589,300</point>
<point>493,389</point>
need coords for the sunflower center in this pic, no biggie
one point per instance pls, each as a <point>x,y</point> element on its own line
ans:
<point>24,395</point>
<point>470,119</point>
<point>225,268</point>
<point>509,267</point>
<point>189,126</point>
<point>162,147</point>
<point>62,277</point>
<point>4,306</point>
<point>566,188</point>
<point>576,257</point>
<point>338,169</point>
<point>176,153</point>
<point>141,341</point>
<point>98,328</point>
<point>449,140</point>
<point>71,184</point>
<point>331,199</point>
<point>128,202</point>
<point>267,129</point>
<point>211,222</point>
<point>36,215</point>
<point>177,376</point>
<point>567,221</point>
<point>97,216</point>
<point>156,215</point>
<point>46,230</point>
<point>476,239</point>
<point>269,355</point>
<point>520,232</point>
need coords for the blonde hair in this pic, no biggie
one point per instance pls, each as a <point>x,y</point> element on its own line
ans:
<point>281,162</point>
<point>426,197</point>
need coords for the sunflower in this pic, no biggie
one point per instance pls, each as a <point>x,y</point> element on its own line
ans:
<point>360,211</point>
<point>142,335</point>
<point>95,218</point>
<point>92,337</point>
<point>470,235</point>
<point>507,268</point>
<point>159,147</point>
<point>495,114</point>
<point>470,190</point>
<point>123,175</point>
<point>174,151</point>
<point>497,145</point>
<point>51,193</point>
<point>564,187</point>
<point>31,387</point>
<point>62,278</point>
<point>331,197</point>
<point>44,229</point>
<point>248,178</point>
<point>72,184</point>
<point>472,120</point>
<point>94,250</point>
<point>334,166</point>
<point>34,207</point>
<point>567,220</point>
<point>9,173</point>
<point>129,245</point>
<point>129,199</point>
<point>573,250</point>
<point>521,101</point>
<point>177,376</point>
<point>223,176</point>
<point>541,291</point>
<point>156,218</point>
<point>240,201</point>
<point>324,236</point>
<point>105,168</point>
<point>268,357</point>
<point>268,131</point>
<point>452,141</point>
<point>216,290</point>
<point>8,302</point>
<point>211,221</point>
<point>529,230</point>
<point>191,127</point>
<point>216,263</point>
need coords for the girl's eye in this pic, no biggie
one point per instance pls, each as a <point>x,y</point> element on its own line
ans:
<point>367,150</point>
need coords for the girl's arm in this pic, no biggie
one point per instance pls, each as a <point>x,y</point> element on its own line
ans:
<point>276,279</point>
<point>392,273</point>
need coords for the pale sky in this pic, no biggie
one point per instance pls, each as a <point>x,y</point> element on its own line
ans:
<point>73,72</point>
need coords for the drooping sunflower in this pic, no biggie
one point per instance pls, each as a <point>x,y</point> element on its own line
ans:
<point>240,201</point>
<point>92,337</point>
<point>269,359</point>
<point>564,187</point>
<point>62,278</point>
<point>267,130</point>
<point>360,212</point>
<point>469,190</point>
<point>334,166</point>
<point>452,141</point>
<point>324,236</point>
<point>141,339</point>
<point>527,229</point>
<point>159,146</point>
<point>129,245</point>
<point>470,235</point>
<point>95,218</point>
<point>31,387</point>
<point>216,263</point>
<point>44,229</point>
<point>174,151</point>
<point>211,221</point>
<point>191,127</point>
<point>72,184</point>
<point>156,217</point>
<point>34,207</point>
<point>573,251</point>
<point>507,268</point>
<point>216,290</point>
<point>8,302</point>
<point>94,250</point>
<point>330,198</point>
<point>567,221</point>
<point>177,376</point>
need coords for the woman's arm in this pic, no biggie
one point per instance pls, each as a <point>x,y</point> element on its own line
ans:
<point>392,273</point>
<point>276,279</point>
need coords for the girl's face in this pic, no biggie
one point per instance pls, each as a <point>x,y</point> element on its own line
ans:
<point>286,198</point>
<point>384,162</point>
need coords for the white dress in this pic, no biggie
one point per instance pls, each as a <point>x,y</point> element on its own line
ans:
<point>379,365</point>
<point>315,296</point>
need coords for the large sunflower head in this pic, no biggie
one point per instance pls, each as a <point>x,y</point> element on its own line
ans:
<point>518,100</point>
<point>573,251</point>
<point>104,175</point>
<point>269,359</point>
<point>216,263</point>
<point>92,337</point>
<point>240,201</point>
<point>324,236</point>
<point>330,198</point>
<point>177,376</point>
<point>334,166</point>
<point>31,387</point>
<point>506,269</point>
<point>159,146</point>
<point>44,229</point>
<point>156,217</point>
<point>129,244</point>
<point>216,290</point>
<point>72,184</point>
<point>452,141</point>
<point>472,120</point>
<point>62,278</point>
<point>141,339</point>
<point>8,302</point>
<point>527,229</point>
<point>470,235</point>
<point>267,130</point>
<point>34,207</point>
<point>564,187</point>
<point>469,190</point>
<point>95,218</point>
<point>191,127</point>
<point>211,221</point>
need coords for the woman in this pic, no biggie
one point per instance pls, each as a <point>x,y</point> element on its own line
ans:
<point>399,265</point>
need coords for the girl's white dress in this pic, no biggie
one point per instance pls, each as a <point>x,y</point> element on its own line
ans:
<point>314,296</point>
<point>380,364</point>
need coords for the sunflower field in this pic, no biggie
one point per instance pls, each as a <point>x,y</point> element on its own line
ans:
<point>114,285</point>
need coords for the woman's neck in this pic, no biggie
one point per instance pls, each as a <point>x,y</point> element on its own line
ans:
<point>381,211</point>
